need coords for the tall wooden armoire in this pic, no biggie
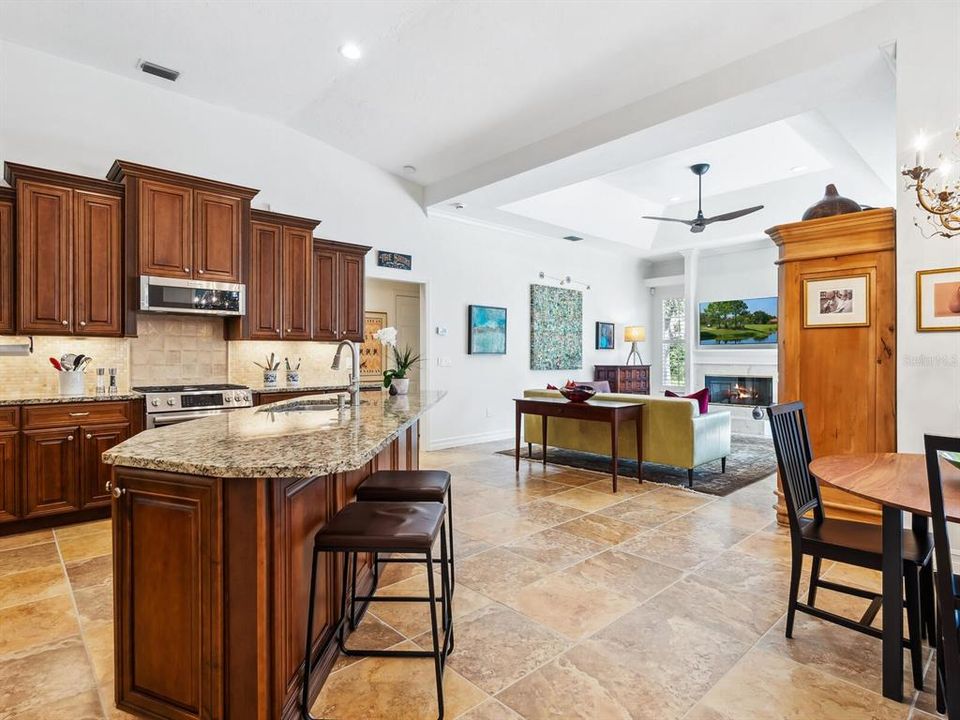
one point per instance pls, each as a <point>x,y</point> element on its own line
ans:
<point>846,376</point>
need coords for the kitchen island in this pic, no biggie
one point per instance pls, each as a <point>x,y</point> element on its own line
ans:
<point>212,537</point>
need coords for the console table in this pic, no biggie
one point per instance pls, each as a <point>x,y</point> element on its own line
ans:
<point>625,378</point>
<point>606,411</point>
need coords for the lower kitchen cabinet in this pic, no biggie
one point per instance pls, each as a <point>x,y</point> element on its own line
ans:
<point>50,468</point>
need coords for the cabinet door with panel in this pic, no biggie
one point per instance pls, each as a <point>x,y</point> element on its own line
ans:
<point>9,475</point>
<point>297,273</point>
<point>98,266</point>
<point>350,302</point>
<point>167,561</point>
<point>50,479</point>
<point>264,301</point>
<point>217,237</point>
<point>94,474</point>
<point>45,231</point>
<point>166,229</point>
<point>325,294</point>
<point>7,318</point>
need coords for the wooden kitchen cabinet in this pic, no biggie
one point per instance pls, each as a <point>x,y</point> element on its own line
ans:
<point>69,251</point>
<point>7,270</point>
<point>182,226</point>
<point>96,440</point>
<point>338,270</point>
<point>9,475</point>
<point>50,463</point>
<point>279,300</point>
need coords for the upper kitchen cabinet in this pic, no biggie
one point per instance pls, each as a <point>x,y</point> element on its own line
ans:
<point>338,272</point>
<point>69,253</point>
<point>185,227</point>
<point>7,271</point>
<point>280,279</point>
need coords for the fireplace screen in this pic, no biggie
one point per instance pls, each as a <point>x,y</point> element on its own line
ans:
<point>740,390</point>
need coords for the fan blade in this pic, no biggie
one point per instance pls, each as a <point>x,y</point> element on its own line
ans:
<point>653,217</point>
<point>732,215</point>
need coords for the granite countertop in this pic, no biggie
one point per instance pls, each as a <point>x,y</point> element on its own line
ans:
<point>282,439</point>
<point>45,399</point>
<point>313,388</point>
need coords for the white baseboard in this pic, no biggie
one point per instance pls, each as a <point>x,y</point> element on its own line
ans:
<point>473,439</point>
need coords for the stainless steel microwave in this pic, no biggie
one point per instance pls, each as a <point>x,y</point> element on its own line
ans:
<point>171,295</point>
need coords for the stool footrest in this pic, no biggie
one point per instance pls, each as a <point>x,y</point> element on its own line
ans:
<point>394,598</point>
<point>387,653</point>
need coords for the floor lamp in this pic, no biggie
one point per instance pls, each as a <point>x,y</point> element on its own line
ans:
<point>634,334</point>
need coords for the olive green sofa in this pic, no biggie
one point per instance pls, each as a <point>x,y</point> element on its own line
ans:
<point>674,432</point>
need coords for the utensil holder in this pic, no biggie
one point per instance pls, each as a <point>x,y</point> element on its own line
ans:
<point>293,378</point>
<point>71,383</point>
<point>269,378</point>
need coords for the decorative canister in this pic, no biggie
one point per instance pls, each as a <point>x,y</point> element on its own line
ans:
<point>71,383</point>
<point>832,203</point>
<point>293,378</point>
<point>269,378</point>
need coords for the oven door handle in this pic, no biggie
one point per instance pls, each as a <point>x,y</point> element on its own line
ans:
<point>161,419</point>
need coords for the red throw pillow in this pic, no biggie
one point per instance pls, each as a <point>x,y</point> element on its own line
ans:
<point>701,396</point>
<point>551,387</point>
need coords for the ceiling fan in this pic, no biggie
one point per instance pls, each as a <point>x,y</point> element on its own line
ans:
<point>700,222</point>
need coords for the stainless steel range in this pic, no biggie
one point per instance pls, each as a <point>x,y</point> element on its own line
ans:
<point>171,404</point>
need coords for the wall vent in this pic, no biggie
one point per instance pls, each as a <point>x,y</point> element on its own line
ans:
<point>160,71</point>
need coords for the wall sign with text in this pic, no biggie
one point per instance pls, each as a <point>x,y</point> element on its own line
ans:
<point>395,261</point>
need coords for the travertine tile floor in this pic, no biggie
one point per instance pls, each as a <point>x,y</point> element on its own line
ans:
<point>571,602</point>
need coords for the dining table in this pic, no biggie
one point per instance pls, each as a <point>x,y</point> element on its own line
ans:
<point>898,483</point>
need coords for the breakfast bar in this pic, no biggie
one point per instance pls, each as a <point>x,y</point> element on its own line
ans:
<point>213,529</point>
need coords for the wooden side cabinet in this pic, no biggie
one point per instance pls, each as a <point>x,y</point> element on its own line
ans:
<point>624,378</point>
<point>9,476</point>
<point>69,251</point>
<point>338,270</point>
<point>7,262</point>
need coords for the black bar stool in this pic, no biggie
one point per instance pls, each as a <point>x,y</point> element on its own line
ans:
<point>390,527</point>
<point>409,486</point>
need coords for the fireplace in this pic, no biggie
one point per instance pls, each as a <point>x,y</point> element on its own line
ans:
<point>740,389</point>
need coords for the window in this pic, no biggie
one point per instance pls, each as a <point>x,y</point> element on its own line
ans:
<point>674,350</point>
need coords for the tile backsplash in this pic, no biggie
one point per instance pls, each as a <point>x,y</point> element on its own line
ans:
<point>178,350</point>
<point>34,375</point>
<point>170,350</point>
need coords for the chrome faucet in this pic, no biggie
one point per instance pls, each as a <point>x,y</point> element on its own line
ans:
<point>354,371</point>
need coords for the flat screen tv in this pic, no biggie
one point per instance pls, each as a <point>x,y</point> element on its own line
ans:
<point>739,323</point>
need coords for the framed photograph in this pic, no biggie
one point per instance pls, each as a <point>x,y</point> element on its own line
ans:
<point>371,351</point>
<point>938,300</point>
<point>837,302</point>
<point>486,330</point>
<point>606,332</point>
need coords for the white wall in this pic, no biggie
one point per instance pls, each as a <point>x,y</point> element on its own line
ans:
<point>66,116</point>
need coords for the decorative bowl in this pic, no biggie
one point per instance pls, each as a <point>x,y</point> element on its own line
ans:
<point>578,394</point>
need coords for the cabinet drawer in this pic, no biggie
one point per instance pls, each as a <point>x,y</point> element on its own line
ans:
<point>75,414</point>
<point>9,418</point>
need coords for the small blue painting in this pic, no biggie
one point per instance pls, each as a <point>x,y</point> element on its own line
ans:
<point>605,336</point>
<point>487,334</point>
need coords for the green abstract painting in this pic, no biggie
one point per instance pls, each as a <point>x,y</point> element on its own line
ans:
<point>556,328</point>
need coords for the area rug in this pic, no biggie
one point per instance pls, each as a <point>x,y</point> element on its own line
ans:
<point>751,459</point>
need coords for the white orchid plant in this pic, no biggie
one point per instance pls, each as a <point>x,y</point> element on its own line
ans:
<point>402,359</point>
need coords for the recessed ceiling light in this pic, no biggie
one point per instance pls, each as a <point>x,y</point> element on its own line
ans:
<point>457,206</point>
<point>798,168</point>
<point>351,51</point>
<point>409,169</point>
<point>675,198</point>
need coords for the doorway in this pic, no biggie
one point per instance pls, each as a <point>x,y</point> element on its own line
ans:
<point>398,304</point>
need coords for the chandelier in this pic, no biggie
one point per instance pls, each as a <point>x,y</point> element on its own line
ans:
<point>937,195</point>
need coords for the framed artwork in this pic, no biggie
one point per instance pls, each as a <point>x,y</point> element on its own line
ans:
<point>371,351</point>
<point>556,328</point>
<point>837,302</point>
<point>605,335</point>
<point>938,300</point>
<point>487,330</point>
<point>394,260</point>
<point>744,323</point>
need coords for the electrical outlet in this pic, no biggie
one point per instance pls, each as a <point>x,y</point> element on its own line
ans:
<point>489,413</point>
<point>444,361</point>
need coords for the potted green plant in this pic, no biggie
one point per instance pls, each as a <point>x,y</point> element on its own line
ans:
<point>403,360</point>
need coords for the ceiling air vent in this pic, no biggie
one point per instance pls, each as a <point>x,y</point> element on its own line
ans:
<point>160,71</point>
<point>573,238</point>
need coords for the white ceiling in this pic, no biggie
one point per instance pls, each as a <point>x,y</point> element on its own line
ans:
<point>445,86</point>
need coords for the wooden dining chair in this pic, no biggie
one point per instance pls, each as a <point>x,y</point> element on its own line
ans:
<point>845,541</point>
<point>948,585</point>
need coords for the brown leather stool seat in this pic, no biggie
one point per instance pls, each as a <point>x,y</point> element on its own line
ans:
<point>382,526</point>
<point>408,485</point>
